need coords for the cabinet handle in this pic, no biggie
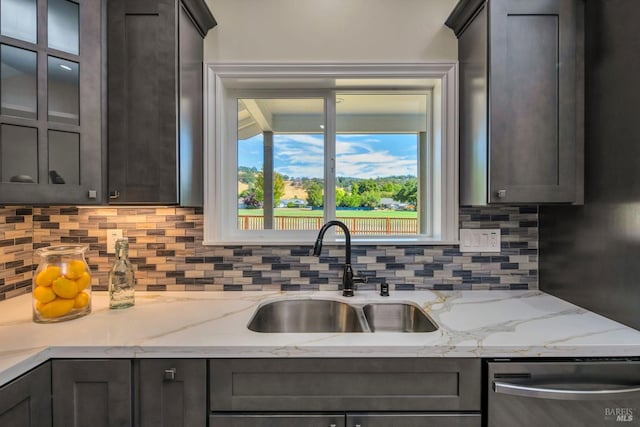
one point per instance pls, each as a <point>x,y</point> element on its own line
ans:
<point>170,374</point>
<point>114,194</point>
<point>502,194</point>
<point>333,425</point>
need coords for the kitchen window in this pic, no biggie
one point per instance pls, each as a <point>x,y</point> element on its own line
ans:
<point>291,147</point>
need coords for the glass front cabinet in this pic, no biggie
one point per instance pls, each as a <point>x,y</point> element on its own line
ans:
<point>51,108</point>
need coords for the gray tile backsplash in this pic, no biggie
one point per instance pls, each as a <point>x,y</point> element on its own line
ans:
<point>166,249</point>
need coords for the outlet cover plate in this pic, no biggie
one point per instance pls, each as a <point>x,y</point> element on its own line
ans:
<point>480,240</point>
<point>112,236</point>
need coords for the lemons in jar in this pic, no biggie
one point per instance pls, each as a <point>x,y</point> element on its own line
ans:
<point>56,308</point>
<point>83,281</point>
<point>64,287</point>
<point>81,300</point>
<point>48,275</point>
<point>75,269</point>
<point>44,294</point>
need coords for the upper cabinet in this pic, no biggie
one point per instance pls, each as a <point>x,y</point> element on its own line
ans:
<point>51,101</point>
<point>521,100</point>
<point>155,100</point>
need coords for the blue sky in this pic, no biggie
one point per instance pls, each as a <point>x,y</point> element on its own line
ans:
<point>362,156</point>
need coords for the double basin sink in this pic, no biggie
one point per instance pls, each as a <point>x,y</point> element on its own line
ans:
<point>324,315</point>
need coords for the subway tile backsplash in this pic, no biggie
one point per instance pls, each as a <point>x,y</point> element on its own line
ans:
<point>167,252</point>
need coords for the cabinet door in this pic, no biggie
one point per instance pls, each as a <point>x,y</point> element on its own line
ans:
<point>92,393</point>
<point>172,392</point>
<point>414,420</point>
<point>26,402</point>
<point>142,101</point>
<point>279,420</point>
<point>51,99</point>
<point>533,62</point>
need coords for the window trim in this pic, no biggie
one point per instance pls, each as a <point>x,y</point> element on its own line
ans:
<point>221,77</point>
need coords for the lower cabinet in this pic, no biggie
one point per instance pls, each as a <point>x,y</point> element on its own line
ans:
<point>369,392</point>
<point>94,393</point>
<point>171,392</point>
<point>414,420</point>
<point>114,393</point>
<point>277,420</point>
<point>346,420</point>
<point>402,392</point>
<point>26,401</point>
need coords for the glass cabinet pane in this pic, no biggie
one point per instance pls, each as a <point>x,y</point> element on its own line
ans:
<point>18,154</point>
<point>63,26</point>
<point>63,87</point>
<point>18,19</point>
<point>64,158</point>
<point>19,88</point>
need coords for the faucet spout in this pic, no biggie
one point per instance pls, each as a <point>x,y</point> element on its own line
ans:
<point>347,274</point>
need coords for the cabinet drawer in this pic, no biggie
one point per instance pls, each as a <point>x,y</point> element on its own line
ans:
<point>414,420</point>
<point>344,384</point>
<point>276,420</point>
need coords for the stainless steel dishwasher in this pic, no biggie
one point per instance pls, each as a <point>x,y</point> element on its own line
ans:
<point>580,393</point>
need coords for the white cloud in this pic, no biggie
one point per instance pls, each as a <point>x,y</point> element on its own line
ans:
<point>303,155</point>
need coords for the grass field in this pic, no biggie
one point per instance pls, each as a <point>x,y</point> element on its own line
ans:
<point>339,213</point>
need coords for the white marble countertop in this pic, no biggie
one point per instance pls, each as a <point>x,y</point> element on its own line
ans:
<point>213,324</point>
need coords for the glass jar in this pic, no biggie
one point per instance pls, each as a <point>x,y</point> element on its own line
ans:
<point>61,284</point>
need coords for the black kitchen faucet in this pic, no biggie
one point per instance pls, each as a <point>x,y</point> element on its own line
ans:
<point>347,276</point>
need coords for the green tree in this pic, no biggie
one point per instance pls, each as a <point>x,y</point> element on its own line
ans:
<point>278,188</point>
<point>351,200</point>
<point>408,193</point>
<point>315,194</point>
<point>368,185</point>
<point>340,193</point>
<point>370,199</point>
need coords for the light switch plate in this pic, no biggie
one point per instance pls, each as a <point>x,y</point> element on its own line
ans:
<point>112,236</point>
<point>480,240</point>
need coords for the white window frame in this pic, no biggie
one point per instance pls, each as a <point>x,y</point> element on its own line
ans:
<point>220,112</point>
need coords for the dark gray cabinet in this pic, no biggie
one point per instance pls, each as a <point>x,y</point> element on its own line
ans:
<point>94,393</point>
<point>26,402</point>
<point>52,115</point>
<point>368,392</point>
<point>171,392</point>
<point>413,420</point>
<point>348,420</point>
<point>145,392</point>
<point>155,100</point>
<point>521,100</point>
<point>279,420</point>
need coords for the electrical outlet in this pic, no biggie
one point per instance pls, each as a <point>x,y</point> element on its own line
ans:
<point>480,240</point>
<point>112,236</point>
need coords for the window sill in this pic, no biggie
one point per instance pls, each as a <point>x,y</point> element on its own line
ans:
<point>330,242</point>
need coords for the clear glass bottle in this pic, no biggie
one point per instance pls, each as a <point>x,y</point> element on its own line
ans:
<point>61,284</point>
<point>121,278</point>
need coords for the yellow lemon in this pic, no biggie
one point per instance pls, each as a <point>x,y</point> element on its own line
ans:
<point>48,275</point>
<point>56,308</point>
<point>65,288</point>
<point>81,300</point>
<point>75,268</point>
<point>83,281</point>
<point>44,294</point>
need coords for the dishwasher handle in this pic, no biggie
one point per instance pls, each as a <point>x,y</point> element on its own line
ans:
<point>542,392</point>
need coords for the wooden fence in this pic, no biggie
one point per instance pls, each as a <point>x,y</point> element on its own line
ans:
<point>357,225</point>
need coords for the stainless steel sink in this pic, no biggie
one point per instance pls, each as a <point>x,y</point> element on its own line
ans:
<point>321,315</point>
<point>397,317</point>
<point>307,316</point>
